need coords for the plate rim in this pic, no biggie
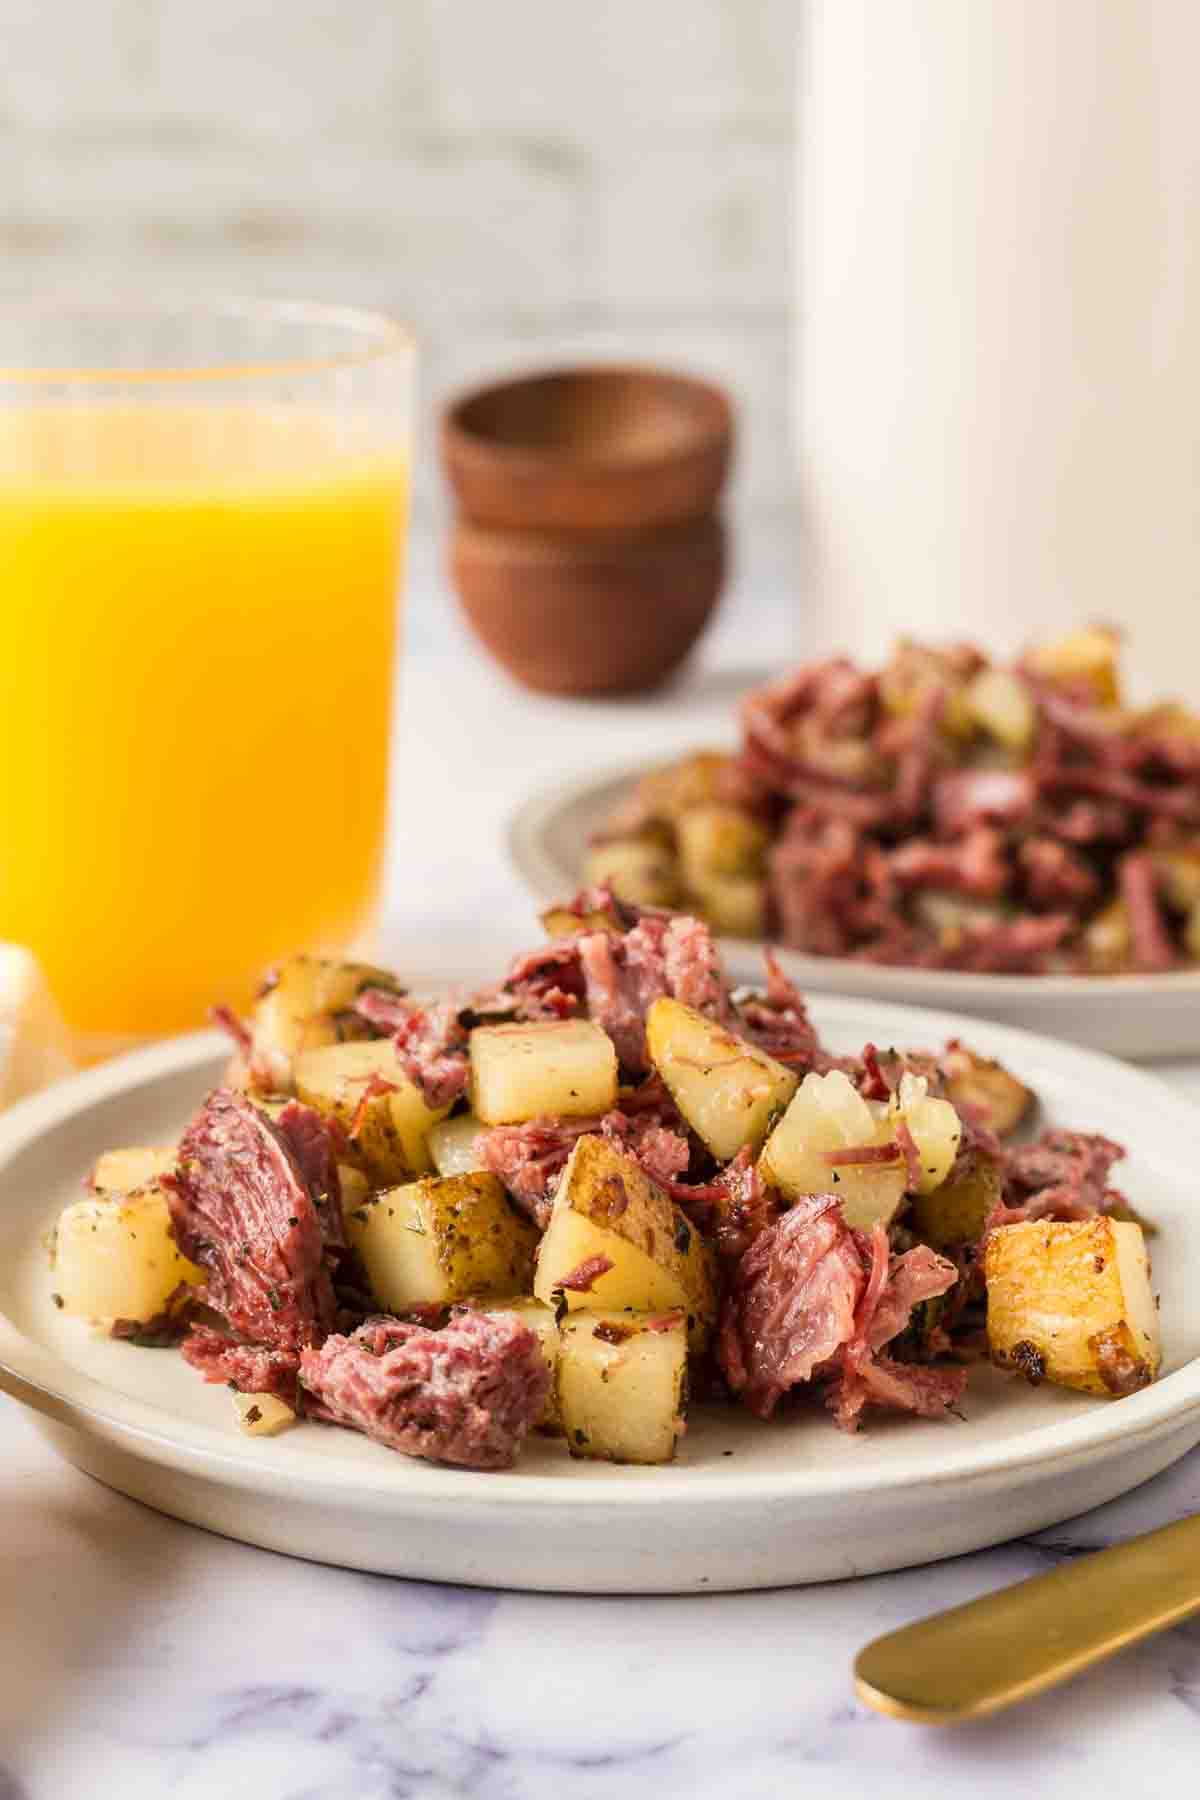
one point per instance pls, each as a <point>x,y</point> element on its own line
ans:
<point>43,1379</point>
<point>549,881</point>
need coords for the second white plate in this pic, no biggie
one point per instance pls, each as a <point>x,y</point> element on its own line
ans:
<point>1141,1016</point>
<point>746,1505</point>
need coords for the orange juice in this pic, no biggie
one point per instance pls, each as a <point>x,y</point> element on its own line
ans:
<point>196,634</point>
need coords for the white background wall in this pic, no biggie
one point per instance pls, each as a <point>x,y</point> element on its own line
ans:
<point>519,178</point>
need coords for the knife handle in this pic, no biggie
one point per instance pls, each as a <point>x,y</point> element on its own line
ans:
<point>1009,1645</point>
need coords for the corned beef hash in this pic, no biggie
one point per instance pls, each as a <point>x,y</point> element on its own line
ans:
<point>942,812</point>
<point>566,1202</point>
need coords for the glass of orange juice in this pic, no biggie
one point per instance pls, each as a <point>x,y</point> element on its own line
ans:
<point>202,513</point>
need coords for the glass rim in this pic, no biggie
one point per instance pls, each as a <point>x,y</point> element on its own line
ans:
<point>385,337</point>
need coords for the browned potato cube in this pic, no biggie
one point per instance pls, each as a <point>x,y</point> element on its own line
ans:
<point>734,905</point>
<point>955,1214</point>
<point>438,1241</point>
<point>977,1081</point>
<point>1091,656</point>
<point>1072,1304</point>
<point>719,840</point>
<point>622,1385</point>
<point>636,869</point>
<point>616,1240</point>
<point>1108,939</point>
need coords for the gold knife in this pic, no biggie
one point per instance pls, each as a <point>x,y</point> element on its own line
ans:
<point>1010,1645</point>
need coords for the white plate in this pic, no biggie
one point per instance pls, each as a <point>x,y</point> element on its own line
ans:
<point>747,1505</point>
<point>1127,1015</point>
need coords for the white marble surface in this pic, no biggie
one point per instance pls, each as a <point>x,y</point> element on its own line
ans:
<point>144,1658</point>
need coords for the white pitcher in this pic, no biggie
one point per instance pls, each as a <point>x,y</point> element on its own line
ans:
<point>999,322</point>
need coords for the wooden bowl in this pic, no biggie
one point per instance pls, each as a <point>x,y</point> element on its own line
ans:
<point>589,449</point>
<point>589,616</point>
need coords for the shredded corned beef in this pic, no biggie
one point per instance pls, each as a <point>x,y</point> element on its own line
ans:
<point>1055,875</point>
<point>805,1300</point>
<point>1152,947</point>
<point>529,1158</point>
<point>250,1368</point>
<point>1063,1175</point>
<point>907,1146</point>
<point>431,1046</point>
<point>976,865</point>
<point>466,1394</point>
<point>692,968</point>
<point>851,1154</point>
<point>791,1304</point>
<point>661,955</point>
<point>618,995</point>
<point>241,1208</point>
<point>235,1029</point>
<point>547,983</point>
<point>314,1141</point>
<point>582,1279</point>
<point>430,1040</point>
<point>872,1083</point>
<point>813,1299</point>
<point>383,1009</point>
<point>968,797</point>
<point>865,1376</point>
<point>733,1209</point>
<point>778,1020</point>
<point>887,797</point>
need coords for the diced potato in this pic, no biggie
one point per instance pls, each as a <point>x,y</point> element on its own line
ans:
<point>1001,705</point>
<point>719,840</point>
<point>1191,933</point>
<point>1179,873</point>
<point>955,916</point>
<point>437,1241</point>
<point>1108,939</point>
<point>734,905</point>
<point>543,1322</point>
<point>560,921</point>
<point>913,671</point>
<point>1168,718</point>
<point>607,1208</point>
<point>933,1125</point>
<point>622,1385</point>
<point>973,1080</point>
<point>636,869</point>
<point>452,1145</point>
<point>388,1128</point>
<point>1090,655</point>
<point>115,1257</point>
<point>309,1002</point>
<point>695,781</point>
<point>262,1415</point>
<point>828,1115</point>
<point>1072,1304</point>
<point>727,1089</point>
<point>119,1171</point>
<point>722,853</point>
<point>955,1213</point>
<point>521,1072</point>
<point>354,1185</point>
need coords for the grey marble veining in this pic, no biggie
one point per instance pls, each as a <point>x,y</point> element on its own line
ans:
<point>145,1658</point>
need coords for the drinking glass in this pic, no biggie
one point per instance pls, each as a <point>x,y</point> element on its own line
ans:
<point>202,513</point>
<point>998,318</point>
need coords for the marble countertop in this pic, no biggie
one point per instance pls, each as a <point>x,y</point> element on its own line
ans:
<point>145,1658</point>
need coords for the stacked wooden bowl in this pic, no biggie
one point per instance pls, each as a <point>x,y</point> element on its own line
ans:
<point>589,551</point>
